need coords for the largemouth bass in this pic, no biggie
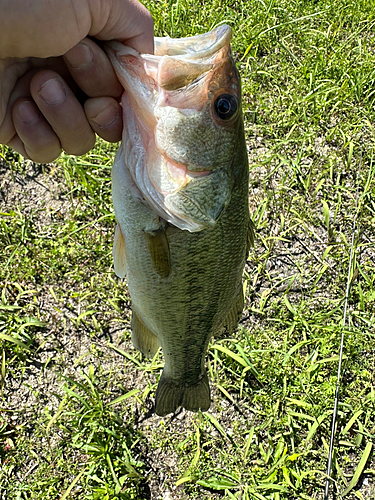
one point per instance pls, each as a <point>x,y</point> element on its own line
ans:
<point>180,194</point>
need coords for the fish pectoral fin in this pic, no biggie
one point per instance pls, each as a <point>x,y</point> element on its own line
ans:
<point>169,396</point>
<point>119,253</point>
<point>158,246</point>
<point>143,339</point>
<point>250,235</point>
<point>231,320</point>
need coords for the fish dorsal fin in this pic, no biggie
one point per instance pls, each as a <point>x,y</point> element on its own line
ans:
<point>158,247</point>
<point>119,253</point>
<point>250,235</point>
<point>143,339</point>
<point>231,320</point>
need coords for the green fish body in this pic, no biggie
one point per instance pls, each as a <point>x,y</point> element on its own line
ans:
<point>180,193</point>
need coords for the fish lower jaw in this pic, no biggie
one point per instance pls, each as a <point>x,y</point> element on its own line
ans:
<point>194,174</point>
<point>181,172</point>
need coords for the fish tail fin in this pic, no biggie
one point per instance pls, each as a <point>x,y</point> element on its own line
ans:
<point>169,396</point>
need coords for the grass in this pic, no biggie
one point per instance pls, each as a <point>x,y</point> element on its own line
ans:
<point>76,400</point>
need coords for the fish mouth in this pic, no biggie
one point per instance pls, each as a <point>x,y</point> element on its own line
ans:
<point>195,47</point>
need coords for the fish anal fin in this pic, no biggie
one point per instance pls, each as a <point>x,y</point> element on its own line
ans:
<point>231,320</point>
<point>119,253</point>
<point>158,247</point>
<point>169,396</point>
<point>143,339</point>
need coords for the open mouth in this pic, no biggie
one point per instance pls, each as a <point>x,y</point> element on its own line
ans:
<point>169,179</point>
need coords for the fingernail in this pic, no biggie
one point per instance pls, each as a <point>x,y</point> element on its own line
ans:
<point>28,112</point>
<point>80,56</point>
<point>52,91</point>
<point>106,118</point>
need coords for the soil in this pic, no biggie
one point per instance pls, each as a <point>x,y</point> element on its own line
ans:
<point>64,349</point>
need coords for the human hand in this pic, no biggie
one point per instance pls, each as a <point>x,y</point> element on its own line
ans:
<point>48,66</point>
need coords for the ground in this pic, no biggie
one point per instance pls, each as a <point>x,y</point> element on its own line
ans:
<point>76,417</point>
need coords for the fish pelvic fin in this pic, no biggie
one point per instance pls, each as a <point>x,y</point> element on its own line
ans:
<point>143,339</point>
<point>169,396</point>
<point>119,253</point>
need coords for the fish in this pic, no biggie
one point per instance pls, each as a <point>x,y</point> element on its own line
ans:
<point>180,196</point>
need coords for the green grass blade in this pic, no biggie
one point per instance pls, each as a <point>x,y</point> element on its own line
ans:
<point>231,354</point>
<point>72,484</point>
<point>360,468</point>
<point>12,339</point>
<point>128,395</point>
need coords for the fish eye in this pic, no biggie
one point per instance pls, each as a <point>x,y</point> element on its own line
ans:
<point>225,106</point>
